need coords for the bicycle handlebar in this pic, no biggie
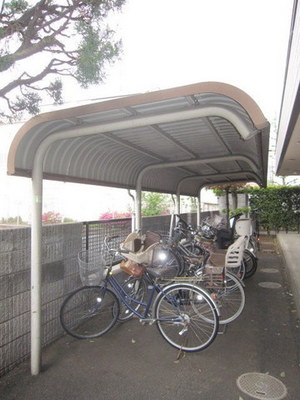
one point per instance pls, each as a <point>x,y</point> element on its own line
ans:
<point>108,239</point>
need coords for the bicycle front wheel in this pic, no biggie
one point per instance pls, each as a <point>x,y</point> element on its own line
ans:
<point>186,317</point>
<point>134,290</point>
<point>195,248</point>
<point>89,312</point>
<point>250,262</point>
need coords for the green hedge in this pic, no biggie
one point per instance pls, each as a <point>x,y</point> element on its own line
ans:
<point>276,208</point>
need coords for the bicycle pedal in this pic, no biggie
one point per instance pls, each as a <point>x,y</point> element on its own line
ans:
<point>147,321</point>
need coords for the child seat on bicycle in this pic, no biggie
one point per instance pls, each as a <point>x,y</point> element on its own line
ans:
<point>140,248</point>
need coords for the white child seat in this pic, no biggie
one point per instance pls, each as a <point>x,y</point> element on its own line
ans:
<point>144,254</point>
<point>235,252</point>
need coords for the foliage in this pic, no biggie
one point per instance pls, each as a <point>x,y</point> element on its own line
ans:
<point>188,203</point>
<point>220,190</point>
<point>59,39</point>
<point>51,217</point>
<point>13,221</point>
<point>155,204</point>
<point>276,207</point>
<point>240,210</point>
<point>114,215</point>
<point>68,220</point>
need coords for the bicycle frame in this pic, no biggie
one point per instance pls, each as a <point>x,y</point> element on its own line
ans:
<point>122,295</point>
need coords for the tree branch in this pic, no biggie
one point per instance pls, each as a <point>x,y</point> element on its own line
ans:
<point>50,69</point>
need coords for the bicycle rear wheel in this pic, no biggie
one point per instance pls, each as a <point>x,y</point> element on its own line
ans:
<point>186,317</point>
<point>89,312</point>
<point>166,262</point>
<point>230,299</point>
<point>238,271</point>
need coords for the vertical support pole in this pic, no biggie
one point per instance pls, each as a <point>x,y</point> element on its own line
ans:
<point>133,218</point>
<point>247,204</point>
<point>36,258</point>
<point>227,207</point>
<point>87,235</point>
<point>178,203</point>
<point>171,226</point>
<point>138,209</point>
<point>199,209</point>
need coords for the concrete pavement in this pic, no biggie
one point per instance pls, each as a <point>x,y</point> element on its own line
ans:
<point>289,244</point>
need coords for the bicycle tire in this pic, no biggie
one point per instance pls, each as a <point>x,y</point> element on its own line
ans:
<point>250,262</point>
<point>136,288</point>
<point>194,248</point>
<point>186,317</point>
<point>239,271</point>
<point>89,312</point>
<point>253,245</point>
<point>230,299</point>
<point>183,264</point>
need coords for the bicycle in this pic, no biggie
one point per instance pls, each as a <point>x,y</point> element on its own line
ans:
<point>224,287</point>
<point>186,316</point>
<point>210,232</point>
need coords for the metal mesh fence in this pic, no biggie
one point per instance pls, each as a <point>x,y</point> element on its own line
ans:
<point>94,233</point>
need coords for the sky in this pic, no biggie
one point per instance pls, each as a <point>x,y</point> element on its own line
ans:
<point>169,43</point>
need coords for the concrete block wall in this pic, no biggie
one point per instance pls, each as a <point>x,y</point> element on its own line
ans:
<point>60,275</point>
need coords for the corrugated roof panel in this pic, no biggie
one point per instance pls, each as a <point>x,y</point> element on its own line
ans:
<point>105,116</point>
<point>197,136</point>
<point>162,106</point>
<point>111,142</point>
<point>169,177</point>
<point>151,140</point>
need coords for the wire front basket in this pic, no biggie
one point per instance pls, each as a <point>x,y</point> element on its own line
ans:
<point>91,267</point>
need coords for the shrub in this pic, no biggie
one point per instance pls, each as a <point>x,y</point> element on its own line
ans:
<point>51,217</point>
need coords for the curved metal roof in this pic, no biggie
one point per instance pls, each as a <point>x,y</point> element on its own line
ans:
<point>171,140</point>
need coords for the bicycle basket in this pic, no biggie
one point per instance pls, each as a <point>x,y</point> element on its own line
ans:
<point>91,267</point>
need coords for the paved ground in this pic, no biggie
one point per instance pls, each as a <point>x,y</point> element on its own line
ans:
<point>134,362</point>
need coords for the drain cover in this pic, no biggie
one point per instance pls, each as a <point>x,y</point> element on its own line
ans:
<point>261,386</point>
<point>270,285</point>
<point>269,270</point>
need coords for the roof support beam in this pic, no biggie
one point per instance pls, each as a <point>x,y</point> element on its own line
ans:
<point>201,177</point>
<point>185,163</point>
<point>138,122</point>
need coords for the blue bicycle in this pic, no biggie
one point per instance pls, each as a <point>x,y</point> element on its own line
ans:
<point>185,314</point>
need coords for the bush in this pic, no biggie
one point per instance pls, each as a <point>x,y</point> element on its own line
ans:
<point>51,217</point>
<point>276,207</point>
<point>116,215</point>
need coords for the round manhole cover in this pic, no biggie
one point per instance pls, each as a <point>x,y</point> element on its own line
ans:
<point>270,285</point>
<point>269,270</point>
<point>261,386</point>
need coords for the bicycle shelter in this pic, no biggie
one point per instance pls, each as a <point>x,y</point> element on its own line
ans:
<point>172,141</point>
